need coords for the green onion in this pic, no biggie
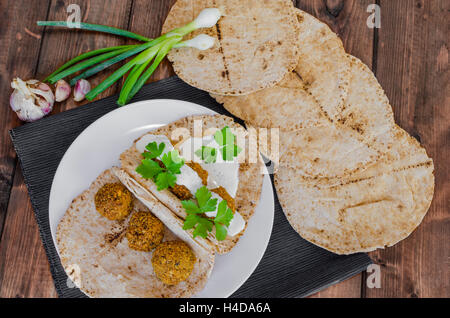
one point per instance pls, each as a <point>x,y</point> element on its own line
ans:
<point>85,64</point>
<point>122,71</point>
<point>166,47</point>
<point>100,67</point>
<point>85,56</point>
<point>96,27</point>
<point>131,80</point>
<point>140,71</point>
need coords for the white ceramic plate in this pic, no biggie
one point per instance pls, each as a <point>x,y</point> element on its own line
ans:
<point>98,148</point>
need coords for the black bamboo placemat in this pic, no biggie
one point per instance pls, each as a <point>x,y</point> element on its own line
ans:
<point>291,267</point>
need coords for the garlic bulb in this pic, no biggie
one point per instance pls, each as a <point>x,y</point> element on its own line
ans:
<point>81,89</point>
<point>62,91</point>
<point>31,100</point>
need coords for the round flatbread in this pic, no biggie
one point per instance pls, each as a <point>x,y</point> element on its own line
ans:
<point>367,110</point>
<point>256,45</point>
<point>95,254</point>
<point>250,172</point>
<point>287,106</point>
<point>323,64</point>
<point>365,211</point>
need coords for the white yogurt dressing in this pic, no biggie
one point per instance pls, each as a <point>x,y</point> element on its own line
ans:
<point>225,171</point>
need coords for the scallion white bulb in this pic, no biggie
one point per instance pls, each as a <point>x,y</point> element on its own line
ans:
<point>207,18</point>
<point>201,42</point>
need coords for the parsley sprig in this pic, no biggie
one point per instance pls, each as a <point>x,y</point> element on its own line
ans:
<point>227,147</point>
<point>164,175</point>
<point>202,225</point>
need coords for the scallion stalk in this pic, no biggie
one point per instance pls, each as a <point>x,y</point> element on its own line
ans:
<point>85,56</point>
<point>85,64</point>
<point>96,27</point>
<point>166,47</point>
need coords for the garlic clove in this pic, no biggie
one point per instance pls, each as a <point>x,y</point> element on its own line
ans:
<point>81,89</point>
<point>31,100</point>
<point>62,91</point>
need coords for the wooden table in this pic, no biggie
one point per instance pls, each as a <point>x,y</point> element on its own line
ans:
<point>409,55</point>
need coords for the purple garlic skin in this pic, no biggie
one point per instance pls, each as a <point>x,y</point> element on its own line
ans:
<point>81,89</point>
<point>31,100</point>
<point>62,91</point>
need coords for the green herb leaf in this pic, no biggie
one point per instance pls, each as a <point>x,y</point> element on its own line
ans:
<point>224,137</point>
<point>203,227</point>
<point>207,154</point>
<point>164,175</point>
<point>154,151</point>
<point>164,180</point>
<point>191,207</point>
<point>224,214</point>
<point>173,162</point>
<point>149,169</point>
<point>206,204</point>
<point>191,221</point>
<point>221,232</point>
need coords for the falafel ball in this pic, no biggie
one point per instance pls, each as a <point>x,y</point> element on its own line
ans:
<point>114,201</point>
<point>173,262</point>
<point>145,231</point>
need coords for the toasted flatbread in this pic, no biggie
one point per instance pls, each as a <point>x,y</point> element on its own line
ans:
<point>323,64</point>
<point>256,45</point>
<point>372,209</point>
<point>95,254</point>
<point>250,173</point>
<point>367,110</point>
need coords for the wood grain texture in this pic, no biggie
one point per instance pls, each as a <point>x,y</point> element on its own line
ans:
<point>411,61</point>
<point>412,66</point>
<point>20,52</point>
<point>147,18</point>
<point>348,20</point>
<point>24,271</point>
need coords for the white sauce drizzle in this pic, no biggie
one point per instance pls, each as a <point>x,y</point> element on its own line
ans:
<point>225,171</point>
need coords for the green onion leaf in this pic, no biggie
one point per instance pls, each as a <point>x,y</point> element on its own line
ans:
<point>100,67</point>
<point>85,64</point>
<point>166,47</point>
<point>96,27</point>
<point>85,56</point>
<point>119,73</point>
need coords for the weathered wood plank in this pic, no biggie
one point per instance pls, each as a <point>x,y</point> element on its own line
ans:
<point>24,267</point>
<point>60,45</point>
<point>21,41</point>
<point>348,20</point>
<point>412,66</point>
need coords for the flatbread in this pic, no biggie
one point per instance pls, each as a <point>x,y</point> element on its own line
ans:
<point>95,254</point>
<point>367,110</point>
<point>323,64</point>
<point>287,106</point>
<point>371,209</point>
<point>256,45</point>
<point>250,172</point>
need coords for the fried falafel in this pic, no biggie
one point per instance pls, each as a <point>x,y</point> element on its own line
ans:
<point>114,201</point>
<point>173,262</point>
<point>144,232</point>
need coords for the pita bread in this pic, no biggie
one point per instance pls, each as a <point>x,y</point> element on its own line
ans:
<point>250,174</point>
<point>367,110</point>
<point>95,254</point>
<point>371,209</point>
<point>287,106</point>
<point>256,45</point>
<point>323,64</point>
